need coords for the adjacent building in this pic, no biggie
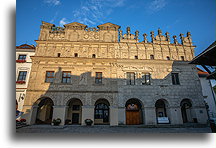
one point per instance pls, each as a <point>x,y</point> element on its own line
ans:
<point>112,78</point>
<point>23,69</point>
<point>208,93</point>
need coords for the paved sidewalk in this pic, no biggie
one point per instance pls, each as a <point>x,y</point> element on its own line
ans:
<point>103,129</point>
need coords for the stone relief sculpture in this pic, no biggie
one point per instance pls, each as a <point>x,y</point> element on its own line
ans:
<point>83,79</point>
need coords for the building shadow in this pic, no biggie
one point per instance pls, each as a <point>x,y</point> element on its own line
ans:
<point>52,102</point>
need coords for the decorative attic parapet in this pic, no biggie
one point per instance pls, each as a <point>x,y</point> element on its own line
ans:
<point>161,39</point>
<point>75,31</point>
<point>107,32</point>
<point>186,40</point>
<point>128,37</point>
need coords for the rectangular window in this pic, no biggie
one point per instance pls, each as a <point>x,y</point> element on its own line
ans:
<point>175,79</point>
<point>49,76</point>
<point>22,76</point>
<point>130,78</point>
<point>146,79</point>
<point>22,57</point>
<point>98,78</point>
<point>66,77</point>
<point>152,57</point>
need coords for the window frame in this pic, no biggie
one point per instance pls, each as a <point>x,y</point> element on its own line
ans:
<point>67,77</point>
<point>21,55</point>
<point>98,78</point>
<point>131,78</point>
<point>18,78</point>
<point>144,79</point>
<point>49,77</point>
<point>175,78</point>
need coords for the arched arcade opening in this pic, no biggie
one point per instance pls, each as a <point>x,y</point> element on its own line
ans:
<point>162,111</point>
<point>74,111</point>
<point>134,113</point>
<point>102,112</point>
<point>186,110</point>
<point>44,111</point>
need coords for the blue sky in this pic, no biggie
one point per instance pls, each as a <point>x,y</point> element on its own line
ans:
<point>174,16</point>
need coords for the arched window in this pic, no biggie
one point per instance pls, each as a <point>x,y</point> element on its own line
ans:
<point>102,112</point>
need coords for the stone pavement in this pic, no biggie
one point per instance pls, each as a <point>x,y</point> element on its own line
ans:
<point>103,129</point>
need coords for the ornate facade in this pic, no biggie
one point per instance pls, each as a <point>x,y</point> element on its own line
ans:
<point>102,74</point>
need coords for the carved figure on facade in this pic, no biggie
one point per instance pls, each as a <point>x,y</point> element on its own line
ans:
<point>152,36</point>
<point>83,79</point>
<point>145,38</point>
<point>167,36</point>
<point>175,40</point>
<point>136,34</point>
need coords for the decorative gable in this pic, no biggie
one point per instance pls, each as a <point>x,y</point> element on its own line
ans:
<point>75,25</point>
<point>109,26</point>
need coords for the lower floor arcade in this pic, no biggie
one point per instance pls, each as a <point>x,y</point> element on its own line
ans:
<point>134,112</point>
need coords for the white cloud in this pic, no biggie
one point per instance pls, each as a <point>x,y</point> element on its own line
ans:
<point>53,2</point>
<point>157,5</point>
<point>93,12</point>
<point>63,21</point>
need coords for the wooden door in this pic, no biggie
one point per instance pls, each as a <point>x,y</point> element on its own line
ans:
<point>75,118</point>
<point>132,117</point>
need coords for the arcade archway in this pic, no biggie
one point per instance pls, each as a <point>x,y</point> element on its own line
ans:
<point>134,114</point>
<point>44,111</point>
<point>186,110</point>
<point>74,111</point>
<point>102,112</point>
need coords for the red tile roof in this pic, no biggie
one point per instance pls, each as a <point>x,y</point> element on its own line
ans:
<point>25,46</point>
<point>202,72</point>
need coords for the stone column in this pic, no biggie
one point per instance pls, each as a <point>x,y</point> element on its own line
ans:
<point>175,115</point>
<point>59,111</point>
<point>150,116</point>
<point>113,116</point>
<point>87,113</point>
<point>30,113</point>
<point>121,115</point>
<point>33,114</point>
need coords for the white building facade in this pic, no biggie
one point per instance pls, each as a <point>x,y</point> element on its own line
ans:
<point>208,93</point>
<point>23,69</point>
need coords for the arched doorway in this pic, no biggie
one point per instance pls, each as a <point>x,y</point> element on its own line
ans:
<point>133,112</point>
<point>186,110</point>
<point>161,111</point>
<point>74,112</point>
<point>102,112</point>
<point>44,111</point>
